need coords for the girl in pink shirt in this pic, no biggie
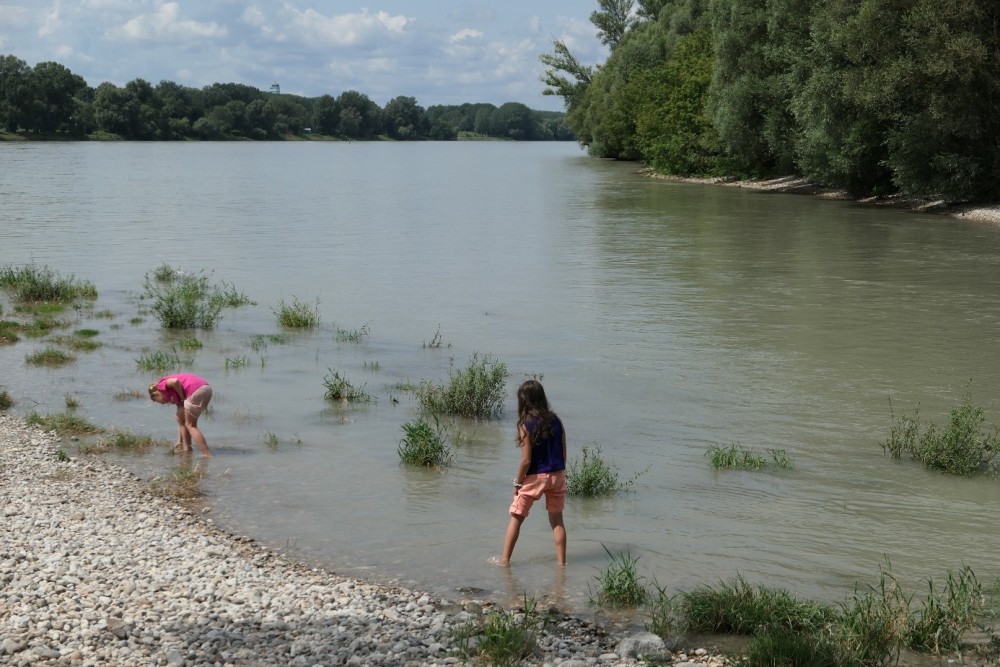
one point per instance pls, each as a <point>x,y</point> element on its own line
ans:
<point>191,395</point>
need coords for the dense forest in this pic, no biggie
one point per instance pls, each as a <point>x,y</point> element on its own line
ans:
<point>48,99</point>
<point>876,97</point>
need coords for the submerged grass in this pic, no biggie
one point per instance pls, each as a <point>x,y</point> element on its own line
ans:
<point>182,482</point>
<point>424,444</point>
<point>476,392</point>
<point>339,388</point>
<point>33,283</point>
<point>189,300</point>
<point>297,314</point>
<point>590,475</point>
<point>49,356</point>
<point>738,457</point>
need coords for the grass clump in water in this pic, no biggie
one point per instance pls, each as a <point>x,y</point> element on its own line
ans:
<point>127,441</point>
<point>502,637</point>
<point>424,444</point>
<point>6,402</point>
<point>64,424</point>
<point>476,392</point>
<point>352,335</point>
<point>339,388</point>
<point>961,447</point>
<point>297,314</point>
<point>182,482</point>
<point>33,283</point>
<point>738,457</point>
<point>590,475</point>
<point>189,301</point>
<point>49,356</point>
<point>619,584</point>
<point>9,332</point>
<point>160,362</point>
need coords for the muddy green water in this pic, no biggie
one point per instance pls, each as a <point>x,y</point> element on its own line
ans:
<point>665,318</point>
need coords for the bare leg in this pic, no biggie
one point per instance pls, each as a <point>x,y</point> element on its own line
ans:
<point>558,535</point>
<point>183,437</point>
<point>513,531</point>
<point>194,433</point>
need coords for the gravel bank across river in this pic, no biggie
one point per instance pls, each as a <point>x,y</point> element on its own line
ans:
<point>95,570</point>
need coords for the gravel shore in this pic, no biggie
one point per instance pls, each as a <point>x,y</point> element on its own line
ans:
<point>96,570</point>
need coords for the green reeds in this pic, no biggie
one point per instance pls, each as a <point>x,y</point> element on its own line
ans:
<point>297,314</point>
<point>476,392</point>
<point>502,637</point>
<point>424,444</point>
<point>590,475</point>
<point>339,388</point>
<point>127,441</point>
<point>49,356</point>
<point>160,362</point>
<point>620,584</point>
<point>738,457</point>
<point>33,283</point>
<point>352,335</point>
<point>64,424</point>
<point>189,301</point>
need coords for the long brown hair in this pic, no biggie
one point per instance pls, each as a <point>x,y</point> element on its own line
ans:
<point>532,404</point>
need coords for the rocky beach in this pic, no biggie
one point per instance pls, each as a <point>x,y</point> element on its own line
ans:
<point>97,570</point>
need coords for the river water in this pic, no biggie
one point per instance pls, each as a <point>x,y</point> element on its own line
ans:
<point>664,318</point>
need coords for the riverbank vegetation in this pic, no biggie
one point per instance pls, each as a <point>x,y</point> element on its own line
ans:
<point>867,97</point>
<point>739,457</point>
<point>590,475</point>
<point>48,101</point>
<point>961,447</point>
<point>188,300</point>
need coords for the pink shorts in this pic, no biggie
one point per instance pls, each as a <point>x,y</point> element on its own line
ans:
<point>198,400</point>
<point>550,484</point>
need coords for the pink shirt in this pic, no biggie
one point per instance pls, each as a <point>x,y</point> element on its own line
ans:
<point>189,383</point>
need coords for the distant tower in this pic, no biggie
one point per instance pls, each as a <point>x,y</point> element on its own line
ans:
<point>276,89</point>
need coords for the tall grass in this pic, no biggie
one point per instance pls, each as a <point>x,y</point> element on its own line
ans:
<point>33,283</point>
<point>339,388</point>
<point>424,444</point>
<point>476,392</point>
<point>590,475</point>
<point>189,301</point>
<point>297,314</point>
<point>738,457</point>
<point>961,447</point>
<point>503,638</point>
<point>620,584</point>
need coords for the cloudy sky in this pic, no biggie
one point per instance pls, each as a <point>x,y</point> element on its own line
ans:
<point>438,51</point>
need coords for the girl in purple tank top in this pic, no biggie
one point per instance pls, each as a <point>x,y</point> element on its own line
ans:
<point>542,470</point>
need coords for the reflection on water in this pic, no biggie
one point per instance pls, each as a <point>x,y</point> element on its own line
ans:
<point>664,318</point>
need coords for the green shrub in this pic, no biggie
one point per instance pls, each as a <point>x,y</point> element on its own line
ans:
<point>502,638</point>
<point>64,424</point>
<point>961,447</point>
<point>477,392</point>
<point>424,444</point>
<point>589,475</point>
<point>32,283</point>
<point>49,356</point>
<point>738,457</point>
<point>339,388</point>
<point>620,585</point>
<point>189,301</point>
<point>297,314</point>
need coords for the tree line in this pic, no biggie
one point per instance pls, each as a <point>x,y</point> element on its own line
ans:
<point>875,97</point>
<point>49,99</point>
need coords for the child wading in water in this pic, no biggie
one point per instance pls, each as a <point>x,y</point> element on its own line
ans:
<point>542,470</point>
<point>191,395</point>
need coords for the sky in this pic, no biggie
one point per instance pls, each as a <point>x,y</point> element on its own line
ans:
<point>437,51</point>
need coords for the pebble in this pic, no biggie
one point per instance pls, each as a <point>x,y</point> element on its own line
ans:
<point>96,570</point>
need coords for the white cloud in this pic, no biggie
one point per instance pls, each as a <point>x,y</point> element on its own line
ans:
<point>341,30</point>
<point>464,34</point>
<point>51,22</point>
<point>166,24</point>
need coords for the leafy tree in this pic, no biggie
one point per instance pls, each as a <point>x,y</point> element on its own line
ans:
<point>326,115</point>
<point>360,118</point>
<point>612,21</point>
<point>675,133</point>
<point>758,44</point>
<point>404,118</point>
<point>53,88</point>
<point>111,109</point>
<point>573,83</point>
<point>15,91</point>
